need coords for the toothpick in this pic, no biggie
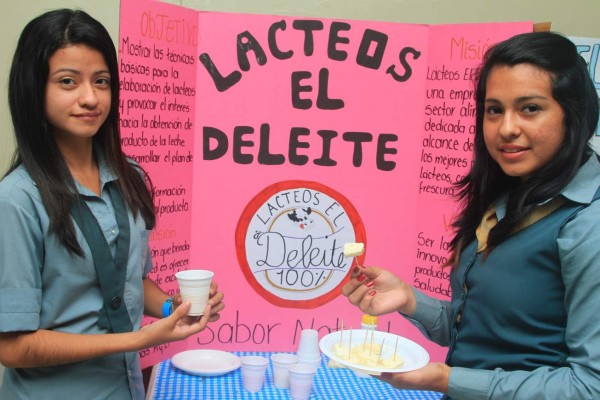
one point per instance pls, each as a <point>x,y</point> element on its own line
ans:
<point>342,334</point>
<point>395,348</point>
<point>350,345</point>
<point>380,351</point>
<point>365,341</point>
<point>372,336</point>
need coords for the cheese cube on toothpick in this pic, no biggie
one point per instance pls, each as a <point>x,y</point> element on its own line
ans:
<point>353,249</point>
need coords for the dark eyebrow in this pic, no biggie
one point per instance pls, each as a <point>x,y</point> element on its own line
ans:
<point>61,70</point>
<point>519,100</point>
<point>77,72</point>
<point>529,98</point>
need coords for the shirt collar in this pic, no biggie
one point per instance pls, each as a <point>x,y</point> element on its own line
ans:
<point>107,175</point>
<point>581,189</point>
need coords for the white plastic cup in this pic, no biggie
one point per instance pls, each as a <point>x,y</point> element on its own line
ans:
<point>308,348</point>
<point>301,380</point>
<point>194,286</point>
<point>281,363</point>
<point>254,369</point>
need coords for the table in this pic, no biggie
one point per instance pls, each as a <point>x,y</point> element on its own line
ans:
<point>170,383</point>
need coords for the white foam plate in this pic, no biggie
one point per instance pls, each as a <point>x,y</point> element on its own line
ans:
<point>414,355</point>
<point>206,362</point>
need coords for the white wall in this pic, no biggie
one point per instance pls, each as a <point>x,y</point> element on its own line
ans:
<point>574,18</point>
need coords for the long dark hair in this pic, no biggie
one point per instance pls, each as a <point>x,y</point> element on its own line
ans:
<point>574,91</point>
<point>37,149</point>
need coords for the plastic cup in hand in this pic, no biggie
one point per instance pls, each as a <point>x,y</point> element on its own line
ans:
<point>281,363</point>
<point>194,286</point>
<point>301,380</point>
<point>308,349</point>
<point>254,369</point>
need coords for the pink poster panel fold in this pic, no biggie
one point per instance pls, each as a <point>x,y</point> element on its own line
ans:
<point>284,138</point>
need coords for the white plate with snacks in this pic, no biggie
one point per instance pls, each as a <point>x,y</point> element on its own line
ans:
<point>206,362</point>
<point>373,352</point>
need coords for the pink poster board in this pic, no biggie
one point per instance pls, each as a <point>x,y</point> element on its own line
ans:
<point>305,134</point>
<point>285,276</point>
<point>157,57</point>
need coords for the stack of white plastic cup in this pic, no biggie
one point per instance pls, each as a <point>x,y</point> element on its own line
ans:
<point>281,363</point>
<point>308,348</point>
<point>254,369</point>
<point>301,380</point>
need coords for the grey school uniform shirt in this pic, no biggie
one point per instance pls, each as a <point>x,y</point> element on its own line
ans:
<point>43,286</point>
<point>577,376</point>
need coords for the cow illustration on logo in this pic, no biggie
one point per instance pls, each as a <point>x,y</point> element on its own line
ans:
<point>290,240</point>
<point>301,217</point>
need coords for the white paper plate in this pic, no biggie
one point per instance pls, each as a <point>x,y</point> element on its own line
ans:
<point>414,355</point>
<point>206,362</point>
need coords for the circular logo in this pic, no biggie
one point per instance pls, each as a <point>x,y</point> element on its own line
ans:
<point>290,240</point>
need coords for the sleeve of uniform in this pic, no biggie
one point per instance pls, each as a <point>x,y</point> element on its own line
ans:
<point>21,258</point>
<point>148,265</point>
<point>432,317</point>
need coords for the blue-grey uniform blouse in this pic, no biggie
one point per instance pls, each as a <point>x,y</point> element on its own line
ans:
<point>577,377</point>
<point>43,286</point>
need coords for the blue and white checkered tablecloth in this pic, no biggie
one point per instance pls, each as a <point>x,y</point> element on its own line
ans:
<point>170,383</point>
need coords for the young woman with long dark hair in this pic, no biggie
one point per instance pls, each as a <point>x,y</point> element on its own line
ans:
<point>521,323</point>
<point>76,215</point>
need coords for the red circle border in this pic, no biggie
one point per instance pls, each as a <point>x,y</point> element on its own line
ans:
<point>244,222</point>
